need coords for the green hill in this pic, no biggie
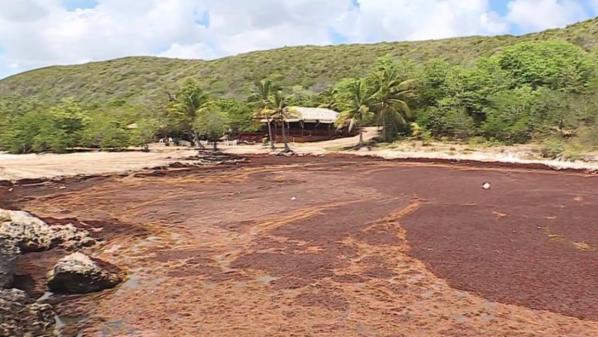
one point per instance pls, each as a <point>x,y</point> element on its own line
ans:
<point>143,80</point>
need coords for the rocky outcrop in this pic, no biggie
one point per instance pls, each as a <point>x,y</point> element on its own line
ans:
<point>8,258</point>
<point>21,317</point>
<point>30,234</point>
<point>21,232</point>
<point>78,273</point>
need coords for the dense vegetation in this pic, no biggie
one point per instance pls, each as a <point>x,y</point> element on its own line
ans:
<point>540,87</point>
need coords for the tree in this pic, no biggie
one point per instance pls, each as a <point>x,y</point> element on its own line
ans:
<point>240,114</point>
<point>144,132</point>
<point>433,82</point>
<point>390,99</point>
<point>299,96</point>
<point>211,123</point>
<point>328,98</point>
<point>511,117</point>
<point>261,97</point>
<point>554,64</point>
<point>30,133</point>
<point>281,113</point>
<point>447,120</point>
<point>355,99</point>
<point>70,119</point>
<point>106,132</point>
<point>184,108</point>
<point>470,88</point>
<point>56,129</point>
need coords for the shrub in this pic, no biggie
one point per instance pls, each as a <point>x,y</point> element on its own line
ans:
<point>552,148</point>
<point>511,116</point>
<point>573,151</point>
<point>588,137</point>
<point>106,133</point>
<point>447,122</point>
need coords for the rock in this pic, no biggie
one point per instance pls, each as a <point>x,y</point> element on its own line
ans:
<point>27,232</point>
<point>71,237</point>
<point>8,259</point>
<point>78,273</point>
<point>21,317</point>
<point>31,234</point>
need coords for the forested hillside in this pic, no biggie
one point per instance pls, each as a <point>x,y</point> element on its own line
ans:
<point>539,88</point>
<point>139,80</point>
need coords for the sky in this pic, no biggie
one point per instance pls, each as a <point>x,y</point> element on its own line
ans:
<point>37,33</point>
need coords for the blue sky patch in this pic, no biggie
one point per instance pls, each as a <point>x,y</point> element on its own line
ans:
<point>337,37</point>
<point>500,6</point>
<point>202,18</point>
<point>72,5</point>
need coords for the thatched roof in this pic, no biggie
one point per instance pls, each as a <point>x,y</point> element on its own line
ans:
<point>311,115</point>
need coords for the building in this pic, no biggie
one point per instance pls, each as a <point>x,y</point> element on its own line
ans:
<point>306,125</point>
<point>309,124</point>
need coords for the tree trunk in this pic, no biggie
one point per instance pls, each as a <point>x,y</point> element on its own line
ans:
<point>215,145</point>
<point>195,138</point>
<point>360,137</point>
<point>270,134</point>
<point>284,139</point>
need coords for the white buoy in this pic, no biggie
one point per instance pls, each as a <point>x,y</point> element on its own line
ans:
<point>486,185</point>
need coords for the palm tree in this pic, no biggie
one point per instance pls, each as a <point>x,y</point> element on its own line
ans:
<point>390,98</point>
<point>328,98</point>
<point>262,95</point>
<point>355,99</point>
<point>281,113</point>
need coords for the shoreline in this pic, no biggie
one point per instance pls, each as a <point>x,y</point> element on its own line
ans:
<point>93,164</point>
<point>56,166</point>
<point>482,158</point>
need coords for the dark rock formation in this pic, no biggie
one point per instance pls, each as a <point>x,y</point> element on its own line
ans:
<point>21,232</point>
<point>8,258</point>
<point>78,273</point>
<point>21,317</point>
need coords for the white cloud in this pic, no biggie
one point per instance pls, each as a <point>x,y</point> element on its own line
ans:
<point>189,51</point>
<point>24,10</point>
<point>241,26</point>
<point>109,30</point>
<point>543,14</point>
<point>424,19</point>
<point>36,33</point>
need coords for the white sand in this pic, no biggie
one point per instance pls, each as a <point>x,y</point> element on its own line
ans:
<point>14,167</point>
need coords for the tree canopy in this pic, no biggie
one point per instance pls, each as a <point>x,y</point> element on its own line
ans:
<point>211,123</point>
